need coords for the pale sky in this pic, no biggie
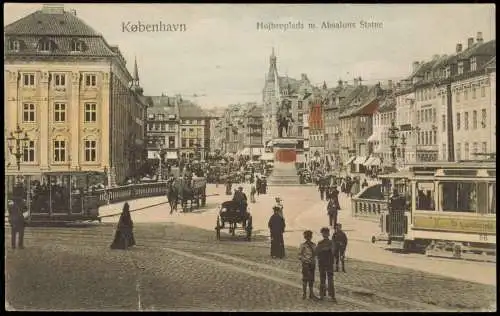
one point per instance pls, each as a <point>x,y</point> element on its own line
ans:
<point>223,56</point>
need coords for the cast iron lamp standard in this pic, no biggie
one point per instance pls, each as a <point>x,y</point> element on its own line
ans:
<point>393,136</point>
<point>17,144</point>
<point>403,146</point>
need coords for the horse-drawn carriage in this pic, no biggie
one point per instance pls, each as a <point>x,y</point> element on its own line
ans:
<point>189,194</point>
<point>232,213</point>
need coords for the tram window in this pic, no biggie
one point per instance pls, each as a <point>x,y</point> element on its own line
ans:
<point>459,197</point>
<point>425,196</point>
<point>492,201</point>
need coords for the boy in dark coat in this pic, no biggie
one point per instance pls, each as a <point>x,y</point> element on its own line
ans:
<point>325,252</point>
<point>307,258</point>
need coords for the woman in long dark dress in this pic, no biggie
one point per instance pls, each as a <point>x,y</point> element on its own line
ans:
<point>277,227</point>
<point>124,236</point>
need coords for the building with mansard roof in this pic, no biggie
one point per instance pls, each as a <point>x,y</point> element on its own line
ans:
<point>451,99</point>
<point>72,93</point>
<point>194,130</point>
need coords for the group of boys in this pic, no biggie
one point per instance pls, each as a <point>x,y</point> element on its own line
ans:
<point>328,252</point>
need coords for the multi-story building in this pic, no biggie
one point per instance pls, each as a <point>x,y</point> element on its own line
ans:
<point>70,91</point>
<point>474,119</point>
<point>216,135</point>
<point>194,130</point>
<point>252,131</point>
<point>356,124</point>
<point>380,141</point>
<point>163,129</point>
<point>316,125</point>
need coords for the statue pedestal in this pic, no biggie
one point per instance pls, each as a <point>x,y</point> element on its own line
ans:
<point>285,155</point>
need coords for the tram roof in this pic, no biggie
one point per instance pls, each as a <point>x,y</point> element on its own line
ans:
<point>471,164</point>
<point>68,173</point>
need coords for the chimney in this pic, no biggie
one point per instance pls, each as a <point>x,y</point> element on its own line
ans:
<point>459,48</point>
<point>470,42</point>
<point>415,65</point>
<point>479,37</point>
<point>389,84</point>
<point>355,82</point>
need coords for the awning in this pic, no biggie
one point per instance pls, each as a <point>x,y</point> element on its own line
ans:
<point>153,154</point>
<point>373,138</point>
<point>171,155</point>
<point>267,156</point>
<point>369,161</point>
<point>359,160</point>
<point>350,160</point>
<point>258,151</point>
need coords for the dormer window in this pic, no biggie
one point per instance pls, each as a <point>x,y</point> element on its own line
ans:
<point>460,67</point>
<point>447,72</point>
<point>14,45</point>
<point>473,64</point>
<point>77,46</point>
<point>45,45</point>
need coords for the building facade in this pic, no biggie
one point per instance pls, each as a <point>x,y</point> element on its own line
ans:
<point>70,91</point>
<point>163,129</point>
<point>194,131</point>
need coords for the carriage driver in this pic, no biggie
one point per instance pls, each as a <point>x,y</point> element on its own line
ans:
<point>241,198</point>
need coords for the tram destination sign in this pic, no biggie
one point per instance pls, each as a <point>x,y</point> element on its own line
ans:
<point>453,224</point>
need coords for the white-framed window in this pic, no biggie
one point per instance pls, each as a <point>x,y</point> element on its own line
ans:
<point>59,80</point>
<point>159,117</point>
<point>457,96</point>
<point>29,113</point>
<point>90,150</point>
<point>77,46</point>
<point>474,119</point>
<point>90,112</point>
<point>59,150</point>
<point>474,92</point>
<point>473,64</point>
<point>483,118</point>
<point>466,94</point>
<point>474,147</point>
<point>29,152</point>
<point>14,45</point>
<point>466,151</point>
<point>59,112</point>
<point>90,80</point>
<point>458,152</point>
<point>466,120</point>
<point>460,67</point>
<point>483,92</point>
<point>484,148</point>
<point>29,80</point>
<point>458,121</point>
<point>45,45</point>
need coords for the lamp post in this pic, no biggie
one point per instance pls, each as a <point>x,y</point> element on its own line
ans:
<point>403,145</point>
<point>17,144</point>
<point>416,130</point>
<point>393,136</point>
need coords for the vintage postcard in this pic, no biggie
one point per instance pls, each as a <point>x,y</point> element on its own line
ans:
<point>250,157</point>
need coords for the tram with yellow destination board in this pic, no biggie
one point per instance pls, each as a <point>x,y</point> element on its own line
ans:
<point>443,209</point>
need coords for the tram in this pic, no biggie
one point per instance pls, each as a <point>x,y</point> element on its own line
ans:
<point>446,209</point>
<point>68,196</point>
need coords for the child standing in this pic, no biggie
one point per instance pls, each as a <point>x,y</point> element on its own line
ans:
<point>306,257</point>
<point>325,252</point>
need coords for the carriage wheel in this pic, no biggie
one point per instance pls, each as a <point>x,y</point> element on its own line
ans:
<point>217,229</point>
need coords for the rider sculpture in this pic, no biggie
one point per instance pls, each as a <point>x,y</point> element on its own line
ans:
<point>284,118</point>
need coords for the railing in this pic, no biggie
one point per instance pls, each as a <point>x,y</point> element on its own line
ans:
<point>368,208</point>
<point>131,192</point>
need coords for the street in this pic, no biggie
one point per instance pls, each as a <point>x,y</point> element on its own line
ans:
<point>177,267</point>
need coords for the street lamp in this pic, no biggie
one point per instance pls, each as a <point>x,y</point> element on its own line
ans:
<point>393,136</point>
<point>17,144</point>
<point>416,129</point>
<point>403,145</point>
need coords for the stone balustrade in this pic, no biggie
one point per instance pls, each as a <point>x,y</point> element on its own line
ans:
<point>131,192</point>
<point>368,208</point>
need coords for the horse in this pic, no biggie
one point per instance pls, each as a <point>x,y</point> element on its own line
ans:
<point>172,196</point>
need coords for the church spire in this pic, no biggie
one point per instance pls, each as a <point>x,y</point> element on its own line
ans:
<point>273,70</point>
<point>136,71</point>
<point>136,87</point>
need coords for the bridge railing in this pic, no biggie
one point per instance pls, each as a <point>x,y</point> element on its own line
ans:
<point>131,192</point>
<point>368,208</point>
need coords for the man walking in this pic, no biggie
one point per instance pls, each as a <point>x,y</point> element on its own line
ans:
<point>340,240</point>
<point>325,252</point>
<point>322,188</point>
<point>17,223</point>
<point>333,206</point>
